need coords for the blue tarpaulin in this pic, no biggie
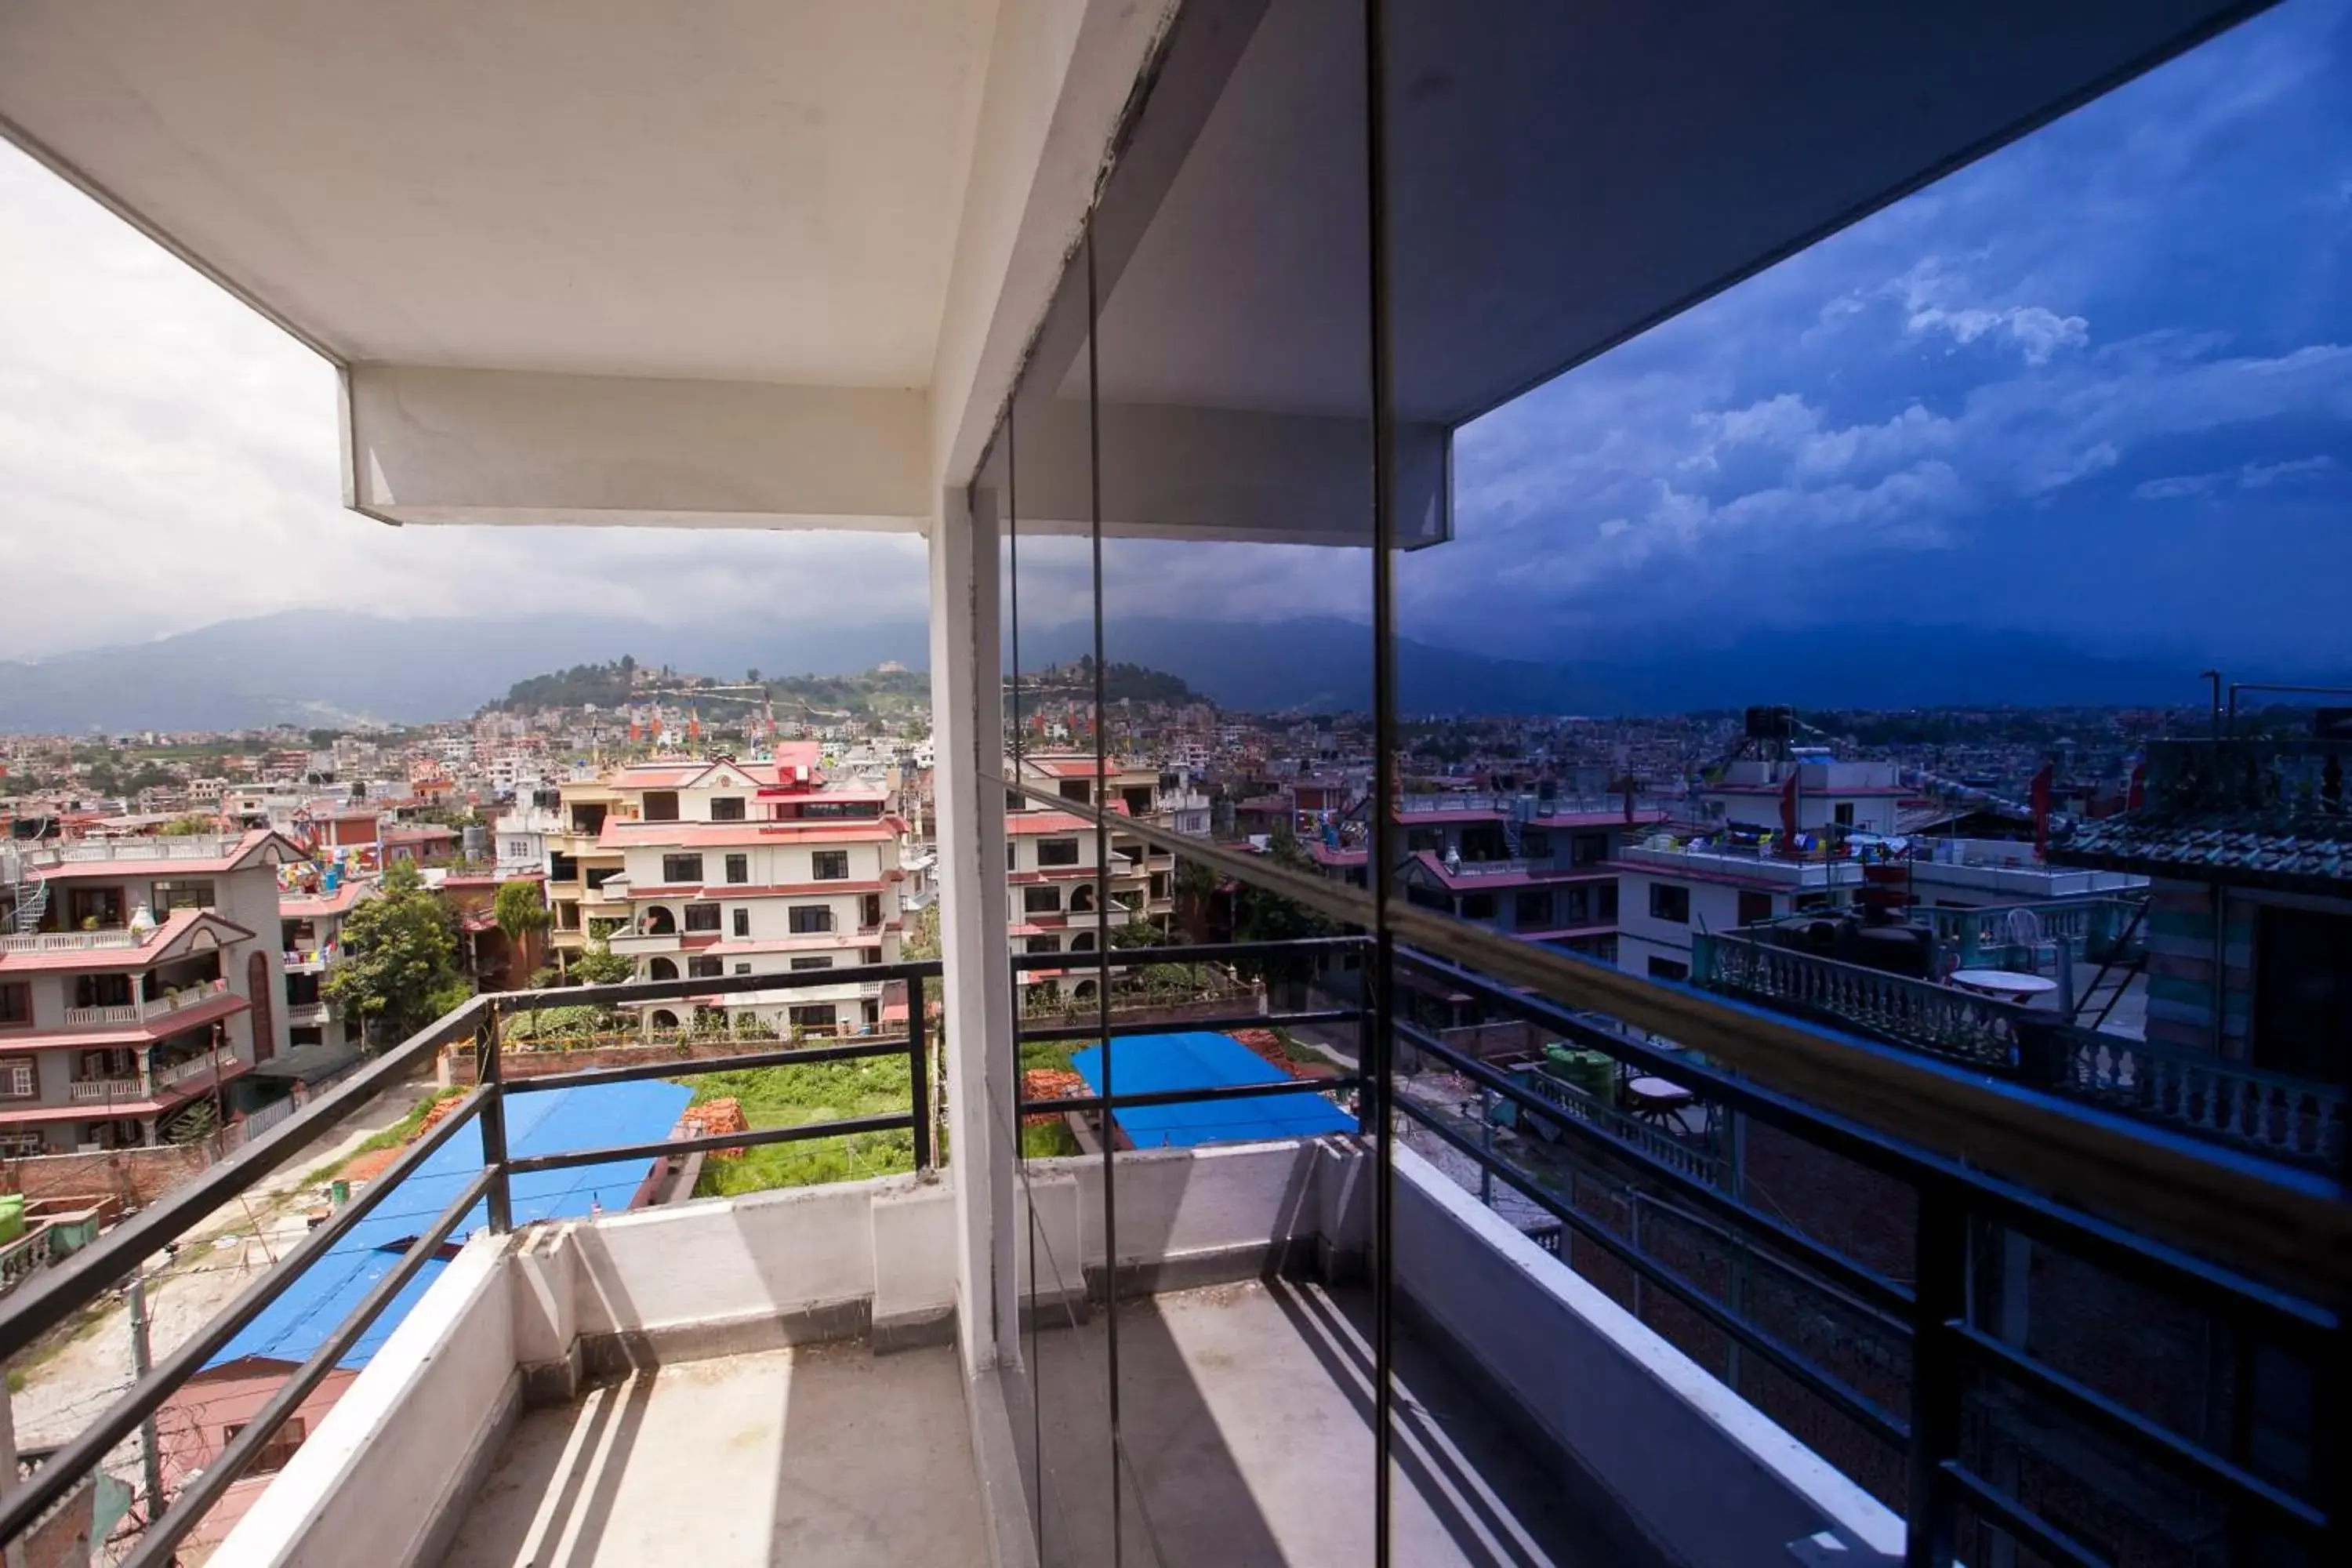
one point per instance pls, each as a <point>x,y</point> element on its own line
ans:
<point>1153,1064</point>
<point>558,1121</point>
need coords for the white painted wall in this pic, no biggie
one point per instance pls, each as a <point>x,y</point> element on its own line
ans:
<point>1708,1478</point>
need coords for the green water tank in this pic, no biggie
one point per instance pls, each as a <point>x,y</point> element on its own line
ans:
<point>12,1216</point>
<point>1592,1071</point>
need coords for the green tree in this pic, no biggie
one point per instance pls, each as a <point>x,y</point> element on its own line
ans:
<point>598,965</point>
<point>520,911</point>
<point>189,826</point>
<point>400,968</point>
<point>1260,915</point>
<point>922,937</point>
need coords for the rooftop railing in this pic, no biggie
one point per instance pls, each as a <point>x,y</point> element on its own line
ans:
<point>2096,926</point>
<point>2285,778</point>
<point>2270,1114</point>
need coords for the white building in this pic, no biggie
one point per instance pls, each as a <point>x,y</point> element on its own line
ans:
<point>730,872</point>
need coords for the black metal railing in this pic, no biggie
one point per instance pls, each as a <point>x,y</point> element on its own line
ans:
<point>2264,1249</point>
<point>54,1296</point>
<point>1929,1315</point>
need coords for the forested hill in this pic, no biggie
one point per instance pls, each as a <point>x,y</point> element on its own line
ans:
<point>886,691</point>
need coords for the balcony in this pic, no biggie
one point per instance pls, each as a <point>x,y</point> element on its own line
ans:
<point>107,1090</point>
<point>1707,858</point>
<point>148,1009</point>
<point>305,1014</point>
<point>75,940</point>
<point>2272,1114</point>
<point>98,851</point>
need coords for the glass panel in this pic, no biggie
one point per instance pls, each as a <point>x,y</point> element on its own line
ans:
<point>1051,900</point>
<point>1831,644</point>
<point>1234,342</point>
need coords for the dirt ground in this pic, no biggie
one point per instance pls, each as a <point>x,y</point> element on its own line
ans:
<point>78,1371</point>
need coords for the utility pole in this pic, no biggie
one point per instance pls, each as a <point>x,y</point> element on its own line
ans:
<point>151,1457</point>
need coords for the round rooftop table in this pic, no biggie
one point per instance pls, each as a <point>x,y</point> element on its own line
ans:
<point>2001,986</point>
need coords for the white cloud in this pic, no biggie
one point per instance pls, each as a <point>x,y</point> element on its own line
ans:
<point>169,459</point>
<point>2179,487</point>
<point>1930,295</point>
<point>2262,475</point>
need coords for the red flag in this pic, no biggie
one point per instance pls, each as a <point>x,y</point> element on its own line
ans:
<point>1789,813</point>
<point>2138,796</point>
<point>2041,813</point>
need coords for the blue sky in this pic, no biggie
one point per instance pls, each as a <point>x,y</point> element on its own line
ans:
<point>2096,387</point>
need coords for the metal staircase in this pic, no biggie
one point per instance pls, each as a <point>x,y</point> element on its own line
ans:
<point>29,894</point>
<point>2125,960</point>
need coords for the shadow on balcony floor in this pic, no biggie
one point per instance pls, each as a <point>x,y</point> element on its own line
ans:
<point>1245,1415</point>
<point>822,1453</point>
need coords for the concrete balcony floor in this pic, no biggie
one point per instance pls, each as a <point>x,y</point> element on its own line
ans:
<point>1246,1413</point>
<point>819,1454</point>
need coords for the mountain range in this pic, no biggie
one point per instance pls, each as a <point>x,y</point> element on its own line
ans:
<point>332,667</point>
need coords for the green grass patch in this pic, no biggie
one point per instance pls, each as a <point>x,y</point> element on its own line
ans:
<point>1048,1141</point>
<point>795,1096</point>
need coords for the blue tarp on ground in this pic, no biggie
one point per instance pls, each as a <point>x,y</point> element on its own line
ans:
<point>557,1122</point>
<point>1153,1064</point>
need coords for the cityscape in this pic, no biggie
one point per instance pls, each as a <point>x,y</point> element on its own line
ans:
<point>1052,784</point>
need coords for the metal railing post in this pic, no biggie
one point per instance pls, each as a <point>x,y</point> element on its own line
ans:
<point>1940,1299</point>
<point>918,1062</point>
<point>491,1074</point>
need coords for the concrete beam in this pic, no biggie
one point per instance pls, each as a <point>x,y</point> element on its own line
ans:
<point>426,445</point>
<point>967,728</point>
<point>1060,74</point>
<point>1226,475</point>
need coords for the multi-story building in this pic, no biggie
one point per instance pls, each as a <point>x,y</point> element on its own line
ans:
<point>578,866</point>
<point>310,927</point>
<point>137,977</point>
<point>1137,792</point>
<point>1054,901</point>
<point>729,873</point>
<point>519,838</point>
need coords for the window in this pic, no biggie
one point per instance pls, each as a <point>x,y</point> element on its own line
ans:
<point>726,808</point>
<point>102,991</point>
<point>742,969</point>
<point>822,960</point>
<point>870,910</point>
<point>1535,843</point>
<point>106,1064</point>
<point>1844,814</point>
<point>1043,944</point>
<point>1478,906</point>
<point>681,870</point>
<point>702,917</point>
<point>814,1015</point>
<point>1041,901</point>
<point>2303,992</point>
<point>20,1077</point>
<point>830,866</point>
<point>1754,907</point>
<point>704,968</point>
<point>587,819</point>
<point>15,1006</point>
<point>810,919</point>
<point>181,894</point>
<point>661,969</point>
<point>840,810</point>
<point>87,906</point>
<point>869,955</point>
<point>1589,849</point>
<point>23,1145</point>
<point>1076,789</point>
<point>597,878</point>
<point>743,921</point>
<point>1532,911</point>
<point>1057,851</point>
<point>1668,969</point>
<point>738,869</point>
<point>565,868</point>
<point>661,805</point>
<point>273,1455</point>
<point>1668,902</point>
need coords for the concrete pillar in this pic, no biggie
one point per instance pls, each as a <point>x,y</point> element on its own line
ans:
<point>967,732</point>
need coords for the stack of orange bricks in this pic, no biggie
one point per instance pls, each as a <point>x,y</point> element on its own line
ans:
<point>1267,1045</point>
<point>1051,1083</point>
<point>713,1116</point>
